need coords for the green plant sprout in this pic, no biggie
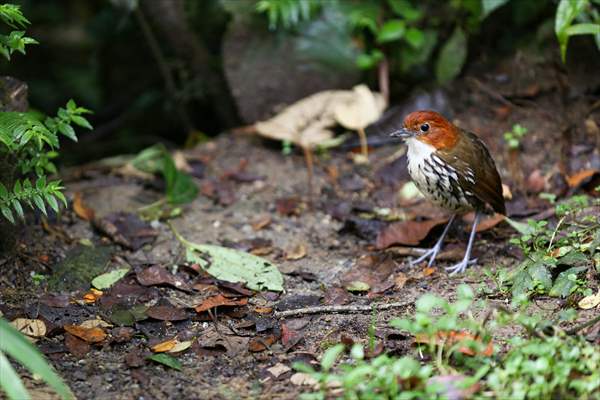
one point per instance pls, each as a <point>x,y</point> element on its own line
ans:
<point>514,136</point>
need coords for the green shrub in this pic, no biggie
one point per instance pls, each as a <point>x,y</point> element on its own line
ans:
<point>29,140</point>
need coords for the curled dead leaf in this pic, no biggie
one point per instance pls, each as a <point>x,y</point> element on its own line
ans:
<point>92,296</point>
<point>164,346</point>
<point>589,302</point>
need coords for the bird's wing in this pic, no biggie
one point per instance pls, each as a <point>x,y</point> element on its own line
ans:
<point>481,178</point>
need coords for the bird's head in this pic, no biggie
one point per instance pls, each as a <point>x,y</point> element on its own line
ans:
<point>429,127</point>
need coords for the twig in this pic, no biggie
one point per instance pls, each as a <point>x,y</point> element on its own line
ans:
<point>584,325</point>
<point>357,308</point>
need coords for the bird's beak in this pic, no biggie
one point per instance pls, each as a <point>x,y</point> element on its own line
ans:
<point>402,133</point>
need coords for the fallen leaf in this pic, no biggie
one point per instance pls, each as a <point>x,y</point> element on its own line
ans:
<point>263,310</point>
<point>406,232</point>
<point>451,338</point>
<point>261,343</point>
<point>180,346</point>
<point>359,111</point>
<point>289,337</point>
<point>167,313</point>
<point>108,279</point>
<point>578,178</point>
<point>76,346</point>
<point>93,323</point>
<point>92,296</point>
<point>157,275</point>
<point>81,210</point>
<point>303,379</point>
<point>296,253</point>
<point>309,121</point>
<point>590,301</point>
<point>370,272</point>
<point>261,222</point>
<point>358,286</point>
<point>55,300</point>
<point>164,346</point>
<point>122,334</point>
<point>34,328</point>
<point>278,369</point>
<point>220,300</point>
<point>90,335</point>
<point>400,280</point>
<point>235,266</point>
<point>126,229</point>
<point>486,223</point>
<point>167,360</point>
<point>213,341</point>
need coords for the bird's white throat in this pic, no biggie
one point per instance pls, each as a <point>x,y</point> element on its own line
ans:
<point>418,151</point>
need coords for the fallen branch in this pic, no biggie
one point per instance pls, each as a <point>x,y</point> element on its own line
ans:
<point>584,325</point>
<point>341,309</point>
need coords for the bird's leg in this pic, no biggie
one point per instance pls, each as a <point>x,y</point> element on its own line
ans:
<point>436,248</point>
<point>462,266</point>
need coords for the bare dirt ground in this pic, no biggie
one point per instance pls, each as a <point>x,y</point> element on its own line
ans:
<point>255,198</point>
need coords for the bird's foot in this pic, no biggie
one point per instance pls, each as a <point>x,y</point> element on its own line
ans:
<point>431,253</point>
<point>461,266</point>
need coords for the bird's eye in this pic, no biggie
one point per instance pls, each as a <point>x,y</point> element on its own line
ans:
<point>424,127</point>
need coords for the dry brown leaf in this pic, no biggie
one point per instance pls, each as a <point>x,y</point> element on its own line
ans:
<point>92,296</point>
<point>360,110</point>
<point>296,253</point>
<point>90,335</point>
<point>261,222</point>
<point>93,323</point>
<point>81,210</point>
<point>164,346</point>
<point>308,122</point>
<point>181,162</point>
<point>451,338</point>
<point>400,280</point>
<point>34,328</point>
<point>590,301</point>
<point>506,193</point>
<point>406,232</point>
<point>220,300</point>
<point>278,369</point>
<point>302,379</point>
<point>486,223</point>
<point>576,179</point>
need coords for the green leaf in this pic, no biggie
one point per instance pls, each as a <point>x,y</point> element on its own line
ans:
<point>583,29</point>
<point>369,60</point>
<point>566,12</point>
<point>415,37</point>
<point>563,284</point>
<point>522,282</point>
<point>167,360</point>
<point>18,208</point>
<point>181,188</point>
<point>39,202</point>
<point>489,6</point>
<point>404,9</point>
<point>452,57</point>
<point>235,266</point>
<point>521,227</point>
<point>108,279</point>
<point>67,130</point>
<point>391,30</point>
<point>51,200</point>
<point>330,356</point>
<point>11,382</point>
<point>77,120</point>
<point>539,273</point>
<point>19,348</point>
<point>7,214</point>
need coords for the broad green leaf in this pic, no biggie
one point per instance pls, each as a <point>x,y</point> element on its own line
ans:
<point>415,37</point>
<point>521,227</point>
<point>539,273</point>
<point>7,214</point>
<point>10,381</point>
<point>235,266</point>
<point>391,30</point>
<point>583,29</point>
<point>573,258</point>
<point>489,6</point>
<point>167,360</point>
<point>51,200</point>
<point>452,57</point>
<point>563,284</point>
<point>330,356</point>
<point>108,279</point>
<point>67,130</point>
<point>427,302</point>
<point>19,348</point>
<point>181,188</point>
<point>369,60</point>
<point>566,12</point>
<point>77,120</point>
<point>39,202</point>
<point>522,282</point>
<point>18,208</point>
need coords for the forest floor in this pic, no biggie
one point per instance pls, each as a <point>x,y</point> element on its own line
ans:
<point>255,198</point>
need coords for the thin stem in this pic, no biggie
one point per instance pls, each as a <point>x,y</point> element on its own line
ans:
<point>364,147</point>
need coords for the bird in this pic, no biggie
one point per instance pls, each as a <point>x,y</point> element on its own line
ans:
<point>453,169</point>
